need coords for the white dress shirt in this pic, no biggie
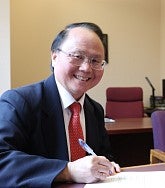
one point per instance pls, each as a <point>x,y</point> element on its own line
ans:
<point>66,100</point>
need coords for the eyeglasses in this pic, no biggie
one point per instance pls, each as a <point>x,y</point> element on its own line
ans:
<point>79,58</point>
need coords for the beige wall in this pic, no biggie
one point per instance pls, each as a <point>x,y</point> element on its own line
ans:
<point>134,27</point>
<point>162,41</point>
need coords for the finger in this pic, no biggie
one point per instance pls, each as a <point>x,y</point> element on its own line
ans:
<point>112,171</point>
<point>105,166</point>
<point>116,167</point>
<point>102,175</point>
<point>106,169</point>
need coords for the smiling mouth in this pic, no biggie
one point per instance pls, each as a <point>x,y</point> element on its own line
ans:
<point>82,78</point>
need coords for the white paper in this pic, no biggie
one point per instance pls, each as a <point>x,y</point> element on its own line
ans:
<point>108,120</point>
<point>132,180</point>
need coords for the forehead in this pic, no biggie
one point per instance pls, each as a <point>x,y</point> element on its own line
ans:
<point>80,30</point>
<point>82,33</point>
<point>84,38</point>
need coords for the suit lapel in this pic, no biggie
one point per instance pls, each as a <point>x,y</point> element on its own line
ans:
<point>53,122</point>
<point>91,124</point>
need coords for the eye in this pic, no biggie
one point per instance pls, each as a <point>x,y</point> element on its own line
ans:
<point>95,61</point>
<point>78,56</point>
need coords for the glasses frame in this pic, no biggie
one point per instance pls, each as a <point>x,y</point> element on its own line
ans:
<point>72,56</point>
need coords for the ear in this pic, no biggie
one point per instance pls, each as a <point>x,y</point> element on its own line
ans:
<point>53,57</point>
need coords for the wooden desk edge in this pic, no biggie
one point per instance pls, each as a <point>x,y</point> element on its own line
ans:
<point>128,131</point>
<point>148,167</point>
<point>114,128</point>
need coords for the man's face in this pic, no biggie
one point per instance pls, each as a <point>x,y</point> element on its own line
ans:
<point>78,79</point>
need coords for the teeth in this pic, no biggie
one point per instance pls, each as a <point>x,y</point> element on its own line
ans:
<point>81,78</point>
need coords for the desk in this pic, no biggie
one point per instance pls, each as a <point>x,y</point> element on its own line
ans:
<point>142,168</point>
<point>129,125</point>
<point>131,140</point>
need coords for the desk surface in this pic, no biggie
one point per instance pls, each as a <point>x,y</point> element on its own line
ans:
<point>129,125</point>
<point>142,168</point>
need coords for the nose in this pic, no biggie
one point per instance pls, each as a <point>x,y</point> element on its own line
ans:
<point>86,65</point>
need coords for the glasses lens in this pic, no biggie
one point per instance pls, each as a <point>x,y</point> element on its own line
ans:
<point>98,65</point>
<point>78,59</point>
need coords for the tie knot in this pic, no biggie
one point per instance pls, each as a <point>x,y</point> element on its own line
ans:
<point>75,108</point>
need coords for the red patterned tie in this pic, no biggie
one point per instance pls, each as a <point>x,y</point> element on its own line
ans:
<point>75,132</point>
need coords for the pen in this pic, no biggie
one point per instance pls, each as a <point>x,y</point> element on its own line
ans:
<point>86,147</point>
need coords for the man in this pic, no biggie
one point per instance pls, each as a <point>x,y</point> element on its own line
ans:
<point>34,138</point>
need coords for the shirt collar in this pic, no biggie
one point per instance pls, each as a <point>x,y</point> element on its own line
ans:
<point>66,98</point>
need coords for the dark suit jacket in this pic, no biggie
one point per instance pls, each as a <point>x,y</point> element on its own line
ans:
<point>33,146</point>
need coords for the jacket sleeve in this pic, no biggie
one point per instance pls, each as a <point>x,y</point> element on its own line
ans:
<point>19,168</point>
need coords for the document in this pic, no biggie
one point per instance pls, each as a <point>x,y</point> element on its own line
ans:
<point>132,180</point>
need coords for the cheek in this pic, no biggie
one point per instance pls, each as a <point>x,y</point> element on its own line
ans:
<point>96,79</point>
<point>63,71</point>
<point>98,76</point>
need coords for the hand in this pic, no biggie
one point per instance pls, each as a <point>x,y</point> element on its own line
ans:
<point>91,169</point>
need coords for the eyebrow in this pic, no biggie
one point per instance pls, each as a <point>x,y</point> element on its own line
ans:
<point>84,53</point>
